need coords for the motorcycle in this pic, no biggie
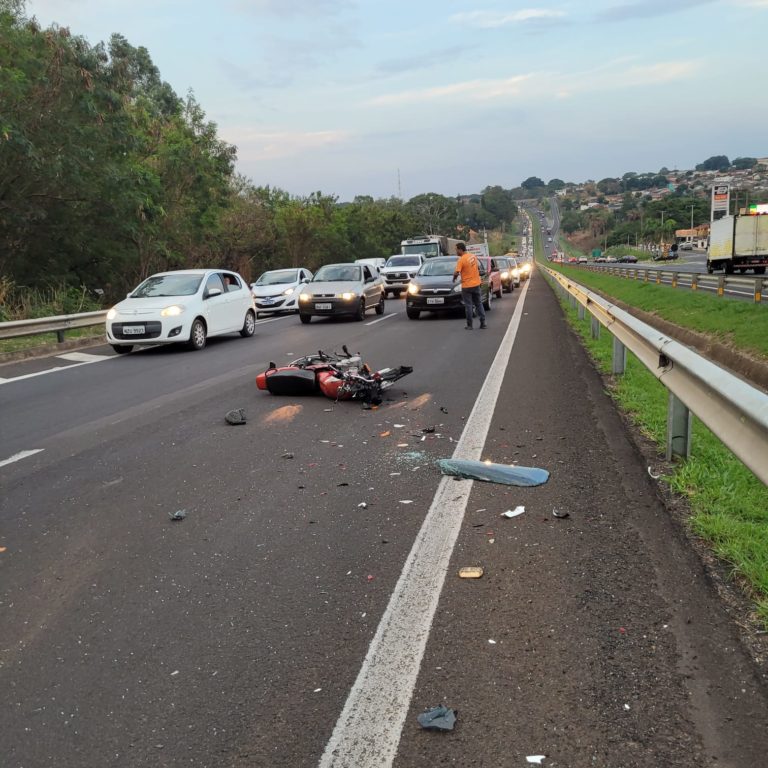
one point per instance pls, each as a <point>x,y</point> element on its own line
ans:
<point>339,376</point>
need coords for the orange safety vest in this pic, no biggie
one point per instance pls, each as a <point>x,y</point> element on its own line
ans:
<point>468,269</point>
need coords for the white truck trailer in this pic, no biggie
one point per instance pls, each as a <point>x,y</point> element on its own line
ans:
<point>738,243</point>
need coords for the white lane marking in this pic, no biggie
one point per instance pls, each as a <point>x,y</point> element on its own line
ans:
<point>388,675</point>
<point>386,317</point>
<point>59,369</point>
<point>82,357</point>
<point>20,456</point>
<point>273,319</point>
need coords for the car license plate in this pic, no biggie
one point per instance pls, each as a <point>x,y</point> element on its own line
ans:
<point>133,330</point>
<point>323,306</point>
<point>437,300</point>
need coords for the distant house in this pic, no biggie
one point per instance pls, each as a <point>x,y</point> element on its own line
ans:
<point>698,236</point>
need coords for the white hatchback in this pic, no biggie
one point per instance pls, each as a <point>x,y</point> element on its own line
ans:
<point>278,290</point>
<point>185,306</point>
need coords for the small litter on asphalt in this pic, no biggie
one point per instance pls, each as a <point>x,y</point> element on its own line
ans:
<point>470,572</point>
<point>317,690</point>
<point>491,642</point>
<point>428,430</point>
<point>175,672</point>
<point>655,477</point>
<point>2,549</point>
<point>179,514</point>
<point>406,501</point>
<point>385,434</point>
<point>394,474</point>
<point>370,578</point>
<point>287,455</point>
<point>561,515</point>
<point>237,416</point>
<point>402,445</point>
<point>491,541</point>
<point>328,410</point>
<point>398,426</point>
<point>488,472</point>
<point>513,512</point>
<point>341,485</point>
<point>443,409</point>
<point>438,718</point>
<point>626,706</point>
<point>535,759</point>
<point>482,509</point>
<point>362,505</point>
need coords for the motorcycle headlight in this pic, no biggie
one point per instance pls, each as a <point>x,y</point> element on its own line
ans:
<point>173,311</point>
<point>413,288</point>
<point>305,297</point>
<point>347,296</point>
<point>112,314</point>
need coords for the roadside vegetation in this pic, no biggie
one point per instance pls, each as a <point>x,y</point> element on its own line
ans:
<point>729,505</point>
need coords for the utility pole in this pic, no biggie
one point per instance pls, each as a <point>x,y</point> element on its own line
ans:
<point>692,207</point>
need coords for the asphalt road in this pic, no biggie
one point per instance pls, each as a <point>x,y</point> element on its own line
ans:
<point>236,637</point>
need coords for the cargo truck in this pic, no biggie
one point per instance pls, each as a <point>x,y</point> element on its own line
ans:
<point>738,243</point>
<point>429,246</point>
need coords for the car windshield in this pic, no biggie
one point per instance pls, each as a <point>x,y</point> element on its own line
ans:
<point>278,277</point>
<point>403,261</point>
<point>428,249</point>
<point>335,273</point>
<point>437,267</point>
<point>168,285</point>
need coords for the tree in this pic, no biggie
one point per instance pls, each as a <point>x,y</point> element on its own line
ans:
<point>434,214</point>
<point>555,184</point>
<point>532,183</point>
<point>714,163</point>
<point>498,202</point>
<point>744,163</point>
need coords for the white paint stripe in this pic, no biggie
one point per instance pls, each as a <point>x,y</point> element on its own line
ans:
<point>368,730</point>
<point>82,357</point>
<point>52,370</point>
<point>20,456</point>
<point>386,317</point>
<point>273,319</point>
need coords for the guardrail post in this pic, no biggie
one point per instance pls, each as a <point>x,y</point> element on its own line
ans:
<point>595,328</point>
<point>572,300</point>
<point>679,421</point>
<point>60,337</point>
<point>581,311</point>
<point>658,277</point>
<point>645,275</point>
<point>674,279</point>
<point>758,290</point>
<point>619,359</point>
<point>721,285</point>
<point>694,282</point>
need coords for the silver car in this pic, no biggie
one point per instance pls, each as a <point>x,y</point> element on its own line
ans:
<point>342,289</point>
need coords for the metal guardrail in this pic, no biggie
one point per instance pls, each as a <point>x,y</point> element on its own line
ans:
<point>719,284</point>
<point>58,324</point>
<point>736,412</point>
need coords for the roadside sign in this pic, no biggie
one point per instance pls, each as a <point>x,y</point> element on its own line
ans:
<point>596,253</point>
<point>721,199</point>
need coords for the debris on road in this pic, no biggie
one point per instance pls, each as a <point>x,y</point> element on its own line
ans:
<point>443,409</point>
<point>406,501</point>
<point>438,718</point>
<point>491,642</point>
<point>287,455</point>
<point>385,434</point>
<point>560,515</point>
<point>653,476</point>
<point>362,505</point>
<point>428,430</point>
<point>179,514</point>
<point>535,759</point>
<point>513,512</point>
<point>470,572</point>
<point>488,472</point>
<point>236,416</point>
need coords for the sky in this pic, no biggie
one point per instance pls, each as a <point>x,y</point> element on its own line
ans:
<point>402,97</point>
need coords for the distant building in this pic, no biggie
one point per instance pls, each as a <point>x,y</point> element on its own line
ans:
<point>698,236</point>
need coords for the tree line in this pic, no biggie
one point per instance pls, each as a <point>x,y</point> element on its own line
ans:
<point>107,175</point>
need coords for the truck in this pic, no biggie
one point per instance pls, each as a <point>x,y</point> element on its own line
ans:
<point>429,246</point>
<point>738,243</point>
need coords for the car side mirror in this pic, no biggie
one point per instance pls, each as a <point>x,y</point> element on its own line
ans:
<point>214,292</point>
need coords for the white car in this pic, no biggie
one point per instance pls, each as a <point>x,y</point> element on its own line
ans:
<point>278,290</point>
<point>185,306</point>
<point>399,271</point>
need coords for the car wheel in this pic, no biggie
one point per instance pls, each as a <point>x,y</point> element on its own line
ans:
<point>360,314</point>
<point>122,349</point>
<point>498,293</point>
<point>249,325</point>
<point>197,335</point>
<point>305,318</point>
<point>380,306</point>
<point>413,314</point>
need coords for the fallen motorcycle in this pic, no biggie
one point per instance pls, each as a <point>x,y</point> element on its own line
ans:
<point>339,376</point>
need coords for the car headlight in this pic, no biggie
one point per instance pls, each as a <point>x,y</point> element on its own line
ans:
<point>505,274</point>
<point>413,288</point>
<point>305,297</point>
<point>515,273</point>
<point>526,267</point>
<point>173,311</point>
<point>112,314</point>
<point>348,296</point>
<point>288,291</point>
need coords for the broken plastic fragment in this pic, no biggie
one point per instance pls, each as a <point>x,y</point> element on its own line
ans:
<point>402,445</point>
<point>562,515</point>
<point>406,501</point>
<point>493,473</point>
<point>385,434</point>
<point>428,430</point>
<point>513,512</point>
<point>398,426</point>
<point>535,759</point>
<point>362,505</point>
<point>470,572</point>
<point>438,718</point>
<point>655,477</point>
<point>179,514</point>
<point>236,416</point>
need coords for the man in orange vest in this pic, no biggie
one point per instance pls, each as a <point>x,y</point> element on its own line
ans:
<point>469,270</point>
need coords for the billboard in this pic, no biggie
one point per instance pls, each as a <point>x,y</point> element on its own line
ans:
<point>721,200</point>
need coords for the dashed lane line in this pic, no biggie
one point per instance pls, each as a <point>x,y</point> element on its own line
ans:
<point>386,317</point>
<point>21,455</point>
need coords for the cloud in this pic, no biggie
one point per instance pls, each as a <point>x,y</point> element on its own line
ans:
<point>300,8</point>
<point>474,90</point>
<point>647,9</point>
<point>751,3</point>
<point>427,60</point>
<point>272,145</point>
<point>493,19</point>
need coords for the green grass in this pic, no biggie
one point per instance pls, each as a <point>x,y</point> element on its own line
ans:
<point>729,505</point>
<point>23,343</point>
<point>628,250</point>
<point>740,324</point>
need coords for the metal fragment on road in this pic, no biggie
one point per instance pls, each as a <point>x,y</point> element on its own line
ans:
<point>179,514</point>
<point>489,472</point>
<point>438,718</point>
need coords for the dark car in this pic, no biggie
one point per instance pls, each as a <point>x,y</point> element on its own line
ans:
<point>433,289</point>
<point>628,259</point>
